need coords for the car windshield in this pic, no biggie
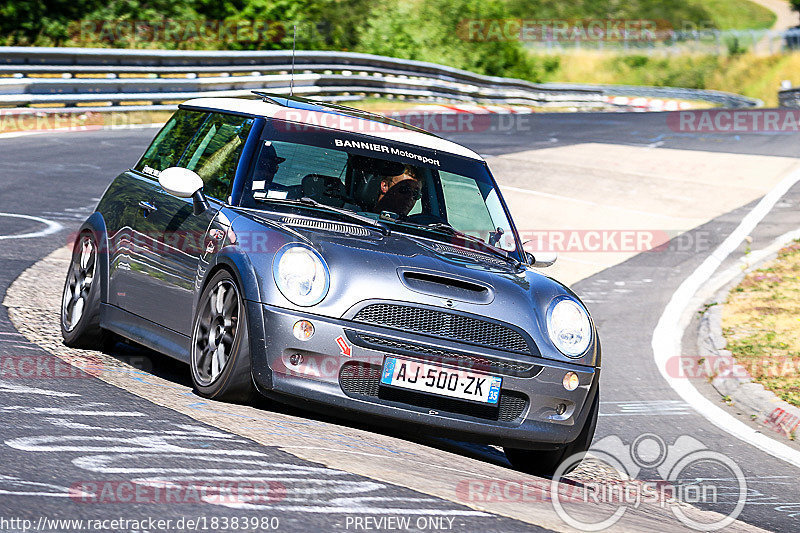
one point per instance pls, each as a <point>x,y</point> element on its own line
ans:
<point>426,193</point>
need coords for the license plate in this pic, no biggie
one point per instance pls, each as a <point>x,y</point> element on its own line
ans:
<point>435,379</point>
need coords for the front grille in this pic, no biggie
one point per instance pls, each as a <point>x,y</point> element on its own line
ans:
<point>454,359</point>
<point>512,405</point>
<point>363,380</point>
<point>347,229</point>
<point>360,379</point>
<point>441,324</point>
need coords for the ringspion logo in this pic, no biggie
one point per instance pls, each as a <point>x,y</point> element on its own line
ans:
<point>648,471</point>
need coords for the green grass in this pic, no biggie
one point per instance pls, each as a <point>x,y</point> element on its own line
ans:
<point>757,76</point>
<point>720,14</point>
<point>738,14</point>
<point>761,323</point>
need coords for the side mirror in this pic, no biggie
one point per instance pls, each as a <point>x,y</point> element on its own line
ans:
<point>542,259</point>
<point>180,182</point>
<point>184,183</point>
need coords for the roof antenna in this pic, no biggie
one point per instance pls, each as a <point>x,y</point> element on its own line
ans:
<point>294,45</point>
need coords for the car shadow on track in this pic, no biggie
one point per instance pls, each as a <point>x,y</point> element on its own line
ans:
<point>177,372</point>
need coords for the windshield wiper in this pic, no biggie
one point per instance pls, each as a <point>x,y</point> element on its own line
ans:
<point>366,221</point>
<point>447,228</point>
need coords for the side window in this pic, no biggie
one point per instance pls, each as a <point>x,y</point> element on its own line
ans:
<point>167,148</point>
<point>214,153</point>
<point>466,209</point>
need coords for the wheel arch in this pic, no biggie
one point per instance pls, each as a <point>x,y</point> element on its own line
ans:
<point>240,267</point>
<point>236,262</point>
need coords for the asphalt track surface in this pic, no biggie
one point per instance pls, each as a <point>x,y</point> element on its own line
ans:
<point>59,177</point>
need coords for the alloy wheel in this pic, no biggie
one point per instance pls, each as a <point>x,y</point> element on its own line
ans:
<point>215,332</point>
<point>79,284</point>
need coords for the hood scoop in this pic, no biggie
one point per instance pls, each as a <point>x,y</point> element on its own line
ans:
<point>446,286</point>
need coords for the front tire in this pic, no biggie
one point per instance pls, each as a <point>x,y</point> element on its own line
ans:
<point>220,358</point>
<point>545,463</point>
<point>80,304</point>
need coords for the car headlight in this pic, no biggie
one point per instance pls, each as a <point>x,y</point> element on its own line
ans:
<point>569,327</point>
<point>301,274</point>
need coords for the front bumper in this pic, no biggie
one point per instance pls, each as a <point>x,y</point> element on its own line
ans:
<point>534,411</point>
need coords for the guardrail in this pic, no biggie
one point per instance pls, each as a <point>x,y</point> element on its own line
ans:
<point>117,78</point>
<point>720,98</point>
<point>789,98</point>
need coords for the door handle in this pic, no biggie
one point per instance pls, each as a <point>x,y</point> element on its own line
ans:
<point>149,207</point>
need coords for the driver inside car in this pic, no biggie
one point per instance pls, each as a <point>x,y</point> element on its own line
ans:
<point>398,194</point>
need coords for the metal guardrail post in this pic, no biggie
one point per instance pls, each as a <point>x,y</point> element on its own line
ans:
<point>789,98</point>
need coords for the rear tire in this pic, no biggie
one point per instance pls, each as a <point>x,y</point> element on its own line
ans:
<point>220,350</point>
<point>545,463</point>
<point>80,304</point>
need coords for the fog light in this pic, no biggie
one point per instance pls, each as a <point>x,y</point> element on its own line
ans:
<point>561,409</point>
<point>571,381</point>
<point>295,359</point>
<point>303,330</point>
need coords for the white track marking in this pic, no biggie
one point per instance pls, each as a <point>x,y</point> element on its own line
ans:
<point>304,487</point>
<point>22,389</point>
<point>23,347</point>
<point>52,227</point>
<point>78,411</point>
<point>648,408</point>
<point>105,464</point>
<point>187,431</point>
<point>85,443</point>
<point>677,315</point>
<point>588,202</point>
<point>14,134</point>
<point>14,486</point>
<point>182,455</point>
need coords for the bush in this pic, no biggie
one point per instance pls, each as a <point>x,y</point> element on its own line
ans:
<point>433,30</point>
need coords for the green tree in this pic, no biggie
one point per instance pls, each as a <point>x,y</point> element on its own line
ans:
<point>55,22</point>
<point>321,24</point>
<point>439,31</point>
<point>795,5</point>
<point>41,22</point>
